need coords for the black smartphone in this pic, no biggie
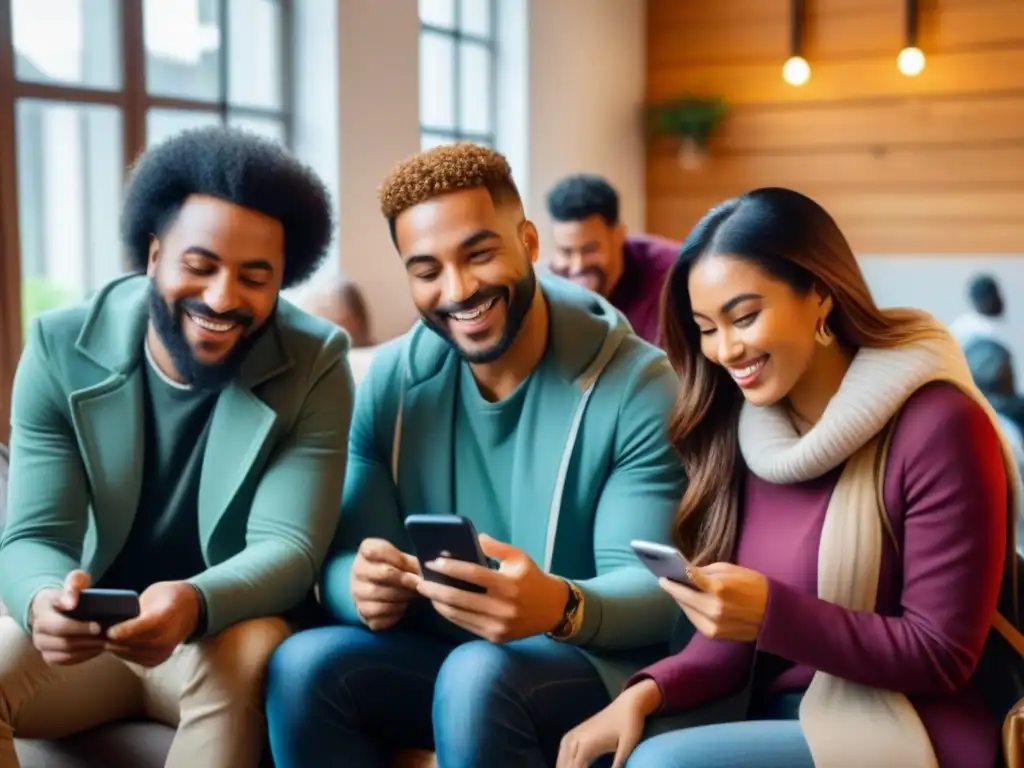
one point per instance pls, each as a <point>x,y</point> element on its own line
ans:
<point>451,536</point>
<point>106,607</point>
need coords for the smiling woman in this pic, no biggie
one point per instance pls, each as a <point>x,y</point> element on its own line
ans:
<point>763,287</point>
<point>846,516</point>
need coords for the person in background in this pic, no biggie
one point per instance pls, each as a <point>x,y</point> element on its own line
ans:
<point>182,435</point>
<point>852,628</point>
<point>992,368</point>
<point>986,317</point>
<point>340,301</point>
<point>593,249</point>
<point>531,408</point>
<point>991,365</point>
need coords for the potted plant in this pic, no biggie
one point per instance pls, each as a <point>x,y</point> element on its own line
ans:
<point>692,119</point>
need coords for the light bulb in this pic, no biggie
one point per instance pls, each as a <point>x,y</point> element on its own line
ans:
<point>910,61</point>
<point>796,70</point>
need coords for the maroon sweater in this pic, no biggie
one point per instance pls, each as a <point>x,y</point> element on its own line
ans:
<point>945,491</point>
<point>647,260</point>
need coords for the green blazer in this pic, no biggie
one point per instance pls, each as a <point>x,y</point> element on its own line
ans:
<point>597,470</point>
<point>272,474</point>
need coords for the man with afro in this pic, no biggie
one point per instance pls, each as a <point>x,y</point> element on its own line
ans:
<point>593,249</point>
<point>181,436</point>
<point>529,407</point>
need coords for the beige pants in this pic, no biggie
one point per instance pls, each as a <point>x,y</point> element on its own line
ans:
<point>210,691</point>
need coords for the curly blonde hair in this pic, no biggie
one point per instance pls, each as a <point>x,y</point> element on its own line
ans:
<point>444,169</point>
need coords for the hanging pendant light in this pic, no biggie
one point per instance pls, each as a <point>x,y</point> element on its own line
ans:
<point>796,71</point>
<point>911,59</point>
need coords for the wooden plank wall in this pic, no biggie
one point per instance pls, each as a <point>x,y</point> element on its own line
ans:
<point>926,164</point>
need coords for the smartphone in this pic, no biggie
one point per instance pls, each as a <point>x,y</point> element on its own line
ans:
<point>451,536</point>
<point>663,561</point>
<point>106,607</point>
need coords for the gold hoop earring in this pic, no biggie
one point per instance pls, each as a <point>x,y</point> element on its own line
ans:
<point>823,335</point>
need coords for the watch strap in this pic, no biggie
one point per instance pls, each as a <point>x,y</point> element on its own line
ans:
<point>572,614</point>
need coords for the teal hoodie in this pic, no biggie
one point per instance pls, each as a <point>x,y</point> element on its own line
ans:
<point>595,470</point>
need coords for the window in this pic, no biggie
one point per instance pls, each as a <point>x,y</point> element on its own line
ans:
<point>457,71</point>
<point>85,86</point>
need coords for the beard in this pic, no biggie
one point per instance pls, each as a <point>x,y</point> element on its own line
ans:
<point>518,298</point>
<point>168,319</point>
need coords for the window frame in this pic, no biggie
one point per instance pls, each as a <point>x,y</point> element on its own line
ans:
<point>459,38</point>
<point>133,102</point>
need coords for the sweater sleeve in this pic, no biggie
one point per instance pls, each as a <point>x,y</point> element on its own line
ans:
<point>704,671</point>
<point>624,606</point>
<point>47,506</point>
<point>947,459</point>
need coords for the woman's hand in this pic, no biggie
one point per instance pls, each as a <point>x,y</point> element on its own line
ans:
<point>729,604</point>
<point>616,728</point>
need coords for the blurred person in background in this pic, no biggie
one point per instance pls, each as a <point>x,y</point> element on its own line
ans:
<point>593,249</point>
<point>986,319</point>
<point>992,368</point>
<point>991,365</point>
<point>340,301</point>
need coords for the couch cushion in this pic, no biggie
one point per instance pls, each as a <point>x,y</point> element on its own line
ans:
<point>121,745</point>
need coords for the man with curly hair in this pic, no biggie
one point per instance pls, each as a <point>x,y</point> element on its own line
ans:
<point>182,435</point>
<point>529,407</point>
<point>593,249</point>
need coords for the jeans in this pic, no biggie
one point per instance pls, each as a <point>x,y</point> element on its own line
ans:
<point>776,741</point>
<point>345,695</point>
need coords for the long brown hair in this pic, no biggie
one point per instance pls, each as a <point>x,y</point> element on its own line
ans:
<point>793,239</point>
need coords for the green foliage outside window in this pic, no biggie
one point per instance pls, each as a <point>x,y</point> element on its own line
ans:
<point>40,294</point>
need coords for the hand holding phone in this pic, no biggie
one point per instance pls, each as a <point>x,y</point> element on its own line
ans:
<point>504,599</point>
<point>170,613</point>
<point>377,584</point>
<point>664,561</point>
<point>64,630</point>
<point>729,603</point>
<point>105,607</point>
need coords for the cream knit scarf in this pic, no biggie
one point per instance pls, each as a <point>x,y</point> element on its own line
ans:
<point>847,724</point>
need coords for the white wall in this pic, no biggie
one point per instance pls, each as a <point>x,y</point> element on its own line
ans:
<point>378,52</point>
<point>587,77</point>
<point>938,284</point>
<point>570,101</point>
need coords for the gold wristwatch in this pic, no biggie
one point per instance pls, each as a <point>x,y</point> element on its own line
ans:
<point>572,615</point>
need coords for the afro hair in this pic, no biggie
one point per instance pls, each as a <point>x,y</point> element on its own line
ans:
<point>581,196</point>
<point>443,169</point>
<point>240,168</point>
